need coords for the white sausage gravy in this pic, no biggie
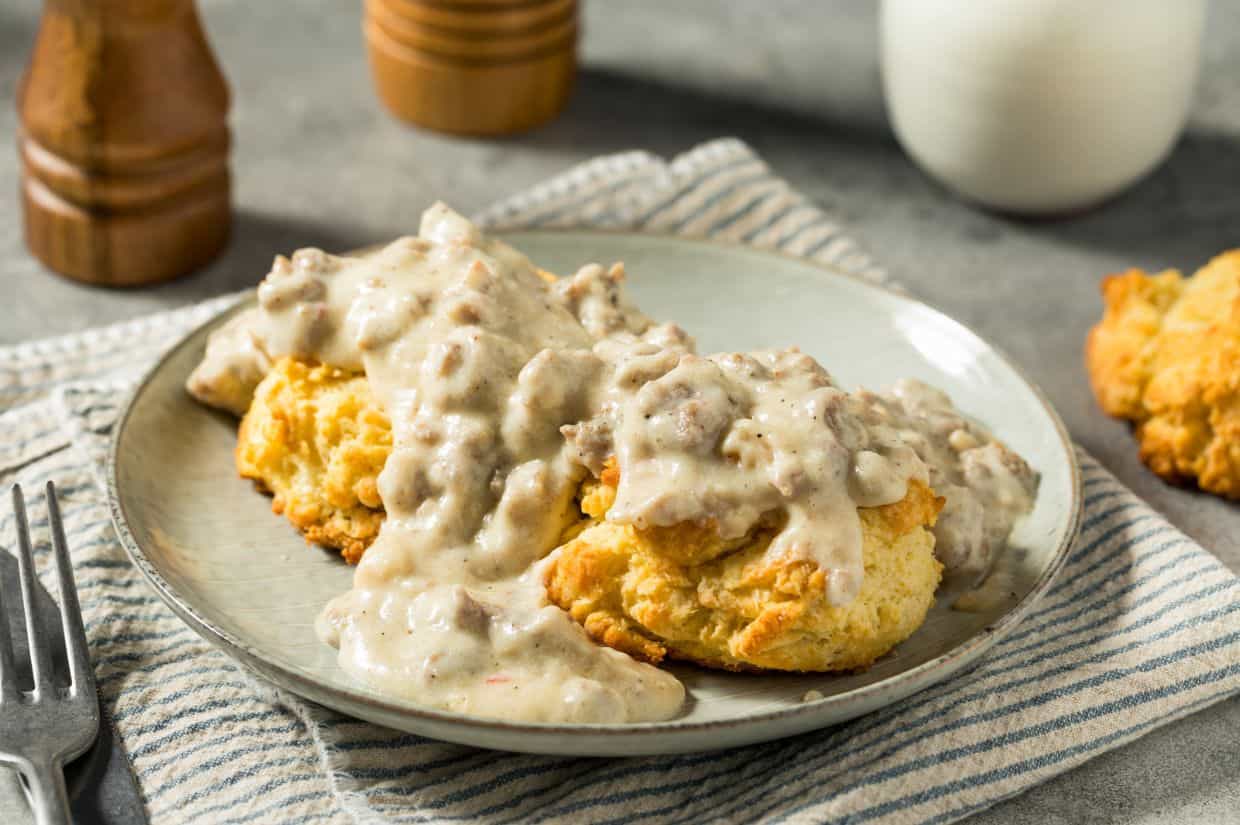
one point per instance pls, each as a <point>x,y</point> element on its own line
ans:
<point>505,391</point>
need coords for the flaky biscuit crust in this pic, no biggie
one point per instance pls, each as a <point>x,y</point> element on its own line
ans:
<point>1166,356</point>
<point>316,440</point>
<point>683,592</point>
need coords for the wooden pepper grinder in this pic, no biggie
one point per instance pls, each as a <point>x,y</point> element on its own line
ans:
<point>475,67</point>
<point>123,142</point>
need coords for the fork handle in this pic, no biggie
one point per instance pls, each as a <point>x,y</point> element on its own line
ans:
<point>49,799</point>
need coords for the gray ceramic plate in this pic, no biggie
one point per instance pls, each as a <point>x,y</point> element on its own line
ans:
<point>242,578</point>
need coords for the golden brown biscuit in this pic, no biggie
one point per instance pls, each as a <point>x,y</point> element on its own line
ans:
<point>315,439</point>
<point>1166,356</point>
<point>684,592</point>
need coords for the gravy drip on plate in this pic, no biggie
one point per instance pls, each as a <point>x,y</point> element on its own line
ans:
<point>504,392</point>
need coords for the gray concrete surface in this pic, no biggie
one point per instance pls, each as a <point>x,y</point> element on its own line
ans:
<point>317,161</point>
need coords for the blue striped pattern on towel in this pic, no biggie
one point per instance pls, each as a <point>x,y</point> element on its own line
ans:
<point>1141,628</point>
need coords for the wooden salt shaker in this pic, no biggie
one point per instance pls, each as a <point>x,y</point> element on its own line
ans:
<point>123,142</point>
<point>475,67</point>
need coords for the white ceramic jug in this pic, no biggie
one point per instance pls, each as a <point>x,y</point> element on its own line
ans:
<point>1039,106</point>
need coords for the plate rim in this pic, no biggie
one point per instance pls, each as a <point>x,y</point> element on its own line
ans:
<point>308,687</point>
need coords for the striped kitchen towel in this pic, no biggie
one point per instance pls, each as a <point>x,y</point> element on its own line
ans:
<point>1141,627</point>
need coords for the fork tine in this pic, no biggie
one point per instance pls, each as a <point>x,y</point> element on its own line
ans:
<point>8,670</point>
<point>81,677</point>
<point>40,664</point>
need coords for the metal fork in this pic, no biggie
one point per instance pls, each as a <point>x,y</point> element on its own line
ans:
<point>56,722</point>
